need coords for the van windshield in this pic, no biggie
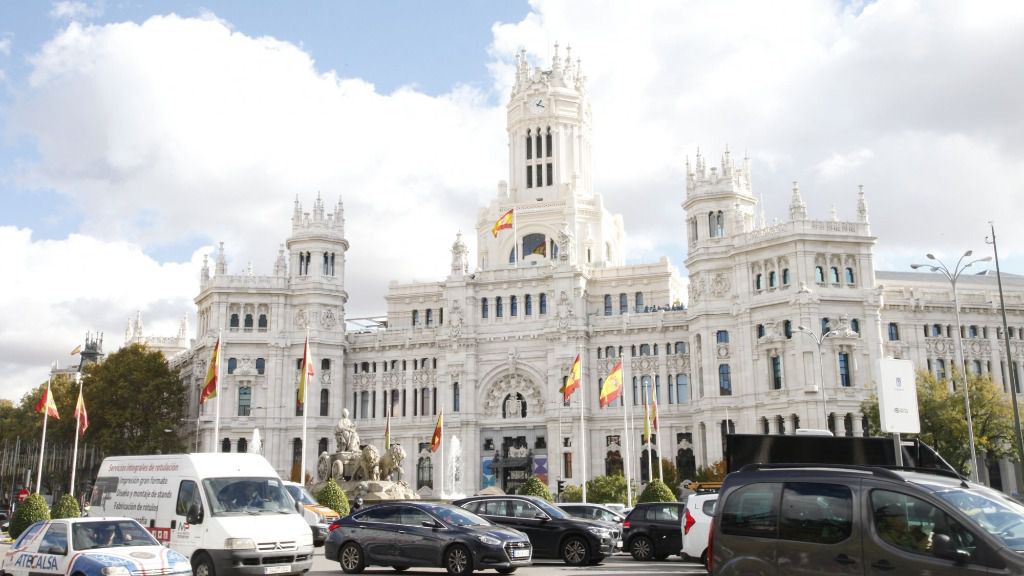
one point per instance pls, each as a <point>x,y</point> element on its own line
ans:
<point>254,496</point>
<point>992,511</point>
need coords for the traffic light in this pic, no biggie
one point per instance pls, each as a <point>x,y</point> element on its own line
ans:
<point>561,486</point>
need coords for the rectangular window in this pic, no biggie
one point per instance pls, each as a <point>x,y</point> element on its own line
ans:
<point>776,373</point>
<point>816,512</point>
<point>547,144</point>
<point>244,400</point>
<point>844,369</point>
<point>497,307</point>
<point>567,464</point>
<point>551,177</point>
<point>529,304</point>
<point>529,176</point>
<point>752,510</point>
<point>724,380</point>
<point>529,147</point>
<point>623,304</point>
<point>894,332</point>
<point>540,176</point>
<point>455,396</point>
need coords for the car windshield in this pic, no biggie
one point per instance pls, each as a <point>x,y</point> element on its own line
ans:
<point>110,534</point>
<point>300,494</point>
<point>456,516</point>
<point>254,496</point>
<point>992,511</point>
<point>549,509</point>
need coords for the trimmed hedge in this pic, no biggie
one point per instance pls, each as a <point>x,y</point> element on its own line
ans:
<point>656,491</point>
<point>534,487</point>
<point>332,496</point>
<point>32,510</point>
<point>66,507</point>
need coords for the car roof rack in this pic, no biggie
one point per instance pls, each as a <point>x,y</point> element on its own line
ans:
<point>935,471</point>
<point>876,470</point>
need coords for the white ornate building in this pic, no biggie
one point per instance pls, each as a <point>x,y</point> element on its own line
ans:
<point>491,344</point>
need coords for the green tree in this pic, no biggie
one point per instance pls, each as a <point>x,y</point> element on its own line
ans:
<point>670,474</point>
<point>944,423</point>
<point>136,404</point>
<point>607,489</point>
<point>32,510</point>
<point>332,496</point>
<point>713,473</point>
<point>572,493</point>
<point>65,507</point>
<point>656,491</point>
<point>534,487</point>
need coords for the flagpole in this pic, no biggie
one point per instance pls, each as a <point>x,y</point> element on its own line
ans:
<point>583,432</point>
<point>78,427</point>
<point>657,440</point>
<point>46,416</point>
<point>647,425</point>
<point>627,409</point>
<point>442,451</point>
<point>515,234</point>
<point>216,392</point>
<point>307,356</point>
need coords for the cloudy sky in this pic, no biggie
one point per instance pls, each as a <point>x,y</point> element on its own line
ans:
<point>136,135</point>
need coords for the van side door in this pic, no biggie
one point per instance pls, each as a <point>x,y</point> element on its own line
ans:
<point>186,532</point>
<point>818,529</point>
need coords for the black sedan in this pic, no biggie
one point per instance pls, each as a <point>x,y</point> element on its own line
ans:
<point>425,534</point>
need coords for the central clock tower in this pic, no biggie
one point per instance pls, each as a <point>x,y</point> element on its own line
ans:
<point>549,131</point>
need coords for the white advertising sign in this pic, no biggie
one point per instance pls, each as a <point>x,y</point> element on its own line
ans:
<point>897,397</point>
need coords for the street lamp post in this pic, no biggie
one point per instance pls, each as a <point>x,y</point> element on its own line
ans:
<point>818,340</point>
<point>953,276</point>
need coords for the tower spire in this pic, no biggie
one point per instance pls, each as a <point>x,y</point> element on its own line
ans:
<point>797,208</point>
<point>862,205</point>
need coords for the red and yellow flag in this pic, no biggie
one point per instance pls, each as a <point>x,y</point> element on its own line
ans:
<point>435,441</point>
<point>306,374</point>
<point>573,382</point>
<point>210,384</point>
<point>46,404</point>
<point>81,415</point>
<point>612,387</point>
<point>504,222</point>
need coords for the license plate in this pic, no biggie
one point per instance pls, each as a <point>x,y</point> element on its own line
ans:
<point>282,569</point>
<point>521,553</point>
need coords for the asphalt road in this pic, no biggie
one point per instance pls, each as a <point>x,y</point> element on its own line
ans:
<point>616,565</point>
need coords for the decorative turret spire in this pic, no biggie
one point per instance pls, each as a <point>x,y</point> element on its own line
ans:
<point>222,263</point>
<point>862,205</point>
<point>797,208</point>
<point>183,327</point>
<point>460,257</point>
<point>204,272</point>
<point>833,214</point>
<point>280,266</point>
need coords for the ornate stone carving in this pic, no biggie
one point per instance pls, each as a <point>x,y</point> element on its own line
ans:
<point>512,384</point>
<point>565,243</point>
<point>723,351</point>
<point>328,319</point>
<point>565,312</point>
<point>455,325</point>
<point>325,377</point>
<point>720,284</point>
<point>300,318</point>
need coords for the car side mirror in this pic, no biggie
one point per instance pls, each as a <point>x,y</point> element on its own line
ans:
<point>298,507</point>
<point>195,515</point>
<point>942,547</point>
<point>542,517</point>
<point>429,524</point>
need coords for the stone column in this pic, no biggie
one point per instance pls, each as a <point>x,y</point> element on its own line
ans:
<point>858,424</point>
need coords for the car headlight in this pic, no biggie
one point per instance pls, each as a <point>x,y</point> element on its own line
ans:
<point>239,544</point>
<point>115,571</point>
<point>600,532</point>
<point>490,540</point>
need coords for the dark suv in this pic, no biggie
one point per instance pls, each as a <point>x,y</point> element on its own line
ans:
<point>651,530</point>
<point>822,518</point>
<point>552,532</point>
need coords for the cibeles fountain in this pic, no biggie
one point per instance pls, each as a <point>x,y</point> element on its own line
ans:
<point>360,469</point>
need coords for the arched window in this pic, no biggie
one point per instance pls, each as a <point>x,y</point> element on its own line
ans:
<point>233,323</point>
<point>849,276</point>
<point>787,329</point>
<point>498,312</point>
<point>424,401</point>
<point>325,364</point>
<point>225,445</point>
<point>937,331</point>
<point>547,143</point>
<point>680,347</point>
<point>785,276</point>
<point>639,300</point>
<point>771,279</point>
<point>722,337</point>
<point>261,365</point>
<point>415,317</point>
<point>424,473</point>
<point>261,323</point>
<point>513,306</point>
<point>760,330</point>
<point>232,365</point>
<point>529,147</point>
<point>894,332</point>
<point>430,316</point>
<point>248,322</point>
<point>528,304</point>
<point>321,446</point>
<point>972,331</point>
<point>325,402</point>
<point>543,304</point>
<point>534,244</point>
<point>242,445</point>
<point>483,307</point>
<point>855,325</point>
<point>609,352</point>
<point>244,400</point>
<point>757,282</point>
<point>645,349</point>
<point>835,274</point>
<point>724,380</point>
<point>607,304</point>
<point>623,303</point>
<point>819,274</point>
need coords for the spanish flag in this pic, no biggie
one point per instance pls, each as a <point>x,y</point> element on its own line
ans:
<point>573,382</point>
<point>81,415</point>
<point>612,387</point>
<point>504,222</point>
<point>435,441</point>
<point>46,404</point>
<point>210,384</point>
<point>307,373</point>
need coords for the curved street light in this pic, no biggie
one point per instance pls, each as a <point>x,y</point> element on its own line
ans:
<point>818,340</point>
<point>953,276</point>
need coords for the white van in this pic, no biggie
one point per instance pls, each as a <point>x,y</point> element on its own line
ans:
<point>318,516</point>
<point>228,512</point>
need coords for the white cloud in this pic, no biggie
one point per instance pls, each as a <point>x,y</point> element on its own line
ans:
<point>178,129</point>
<point>5,46</point>
<point>74,10</point>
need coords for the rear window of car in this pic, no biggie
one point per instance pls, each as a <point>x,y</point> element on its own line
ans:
<point>752,510</point>
<point>816,512</point>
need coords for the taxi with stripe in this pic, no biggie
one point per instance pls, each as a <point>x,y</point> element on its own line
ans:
<point>90,547</point>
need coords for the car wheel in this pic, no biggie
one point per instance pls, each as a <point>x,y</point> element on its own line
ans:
<point>642,548</point>
<point>202,565</point>
<point>352,561</point>
<point>458,561</point>
<point>506,570</point>
<point>399,568</point>
<point>575,551</point>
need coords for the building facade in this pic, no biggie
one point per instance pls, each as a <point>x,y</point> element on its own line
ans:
<point>490,345</point>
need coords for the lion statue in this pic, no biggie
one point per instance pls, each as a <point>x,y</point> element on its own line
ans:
<point>391,461</point>
<point>368,465</point>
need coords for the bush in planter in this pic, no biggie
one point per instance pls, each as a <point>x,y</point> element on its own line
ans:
<point>66,507</point>
<point>572,493</point>
<point>332,496</point>
<point>32,510</point>
<point>656,491</point>
<point>534,487</point>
